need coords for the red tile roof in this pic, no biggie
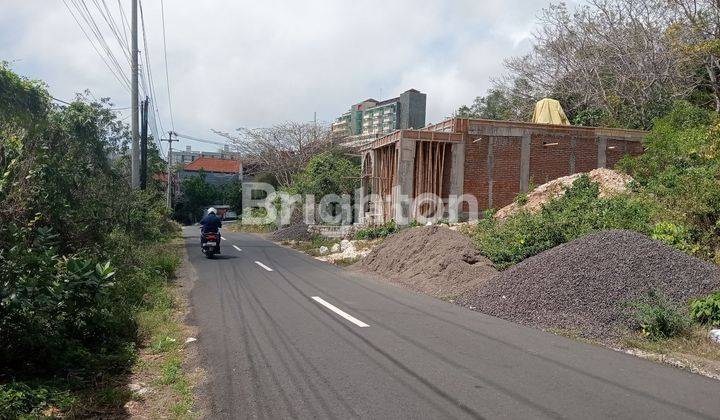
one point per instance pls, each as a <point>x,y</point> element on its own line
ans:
<point>210,164</point>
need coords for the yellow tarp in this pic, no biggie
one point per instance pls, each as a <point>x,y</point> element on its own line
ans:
<point>549,111</point>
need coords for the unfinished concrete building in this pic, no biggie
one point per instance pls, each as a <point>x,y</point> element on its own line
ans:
<point>490,160</point>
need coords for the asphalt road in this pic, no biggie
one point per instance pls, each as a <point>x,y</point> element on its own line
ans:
<point>275,346</point>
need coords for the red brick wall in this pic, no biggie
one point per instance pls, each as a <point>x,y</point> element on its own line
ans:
<point>585,154</point>
<point>547,162</point>
<point>506,170</point>
<point>475,177</point>
<point>616,149</point>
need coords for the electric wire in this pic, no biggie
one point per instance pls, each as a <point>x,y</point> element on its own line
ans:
<point>123,82</point>
<point>167,77</point>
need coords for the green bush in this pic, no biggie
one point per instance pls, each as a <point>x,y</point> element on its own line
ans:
<point>18,397</point>
<point>578,212</point>
<point>657,317</point>
<point>381,231</point>
<point>706,310</point>
<point>675,235</point>
<point>78,249</point>
<point>679,171</point>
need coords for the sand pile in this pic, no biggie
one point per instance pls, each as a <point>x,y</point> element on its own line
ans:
<point>585,285</point>
<point>610,182</point>
<point>433,260</point>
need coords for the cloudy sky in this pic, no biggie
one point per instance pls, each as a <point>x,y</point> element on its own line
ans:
<point>254,63</point>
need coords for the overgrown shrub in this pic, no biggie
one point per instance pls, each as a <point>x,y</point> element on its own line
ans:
<point>657,317</point>
<point>706,310</point>
<point>381,231</point>
<point>578,212</point>
<point>75,239</point>
<point>16,398</point>
<point>680,171</point>
<point>675,235</point>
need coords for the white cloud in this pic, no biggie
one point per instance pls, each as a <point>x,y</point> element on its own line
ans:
<point>253,63</point>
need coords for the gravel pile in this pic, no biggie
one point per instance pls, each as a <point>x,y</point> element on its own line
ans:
<point>295,232</point>
<point>585,285</point>
<point>610,183</point>
<point>433,260</point>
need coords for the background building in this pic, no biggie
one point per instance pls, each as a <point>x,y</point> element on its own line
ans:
<point>188,155</point>
<point>217,171</point>
<point>371,119</point>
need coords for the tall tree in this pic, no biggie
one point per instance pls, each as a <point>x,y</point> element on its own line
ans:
<point>697,33</point>
<point>610,62</point>
<point>283,149</point>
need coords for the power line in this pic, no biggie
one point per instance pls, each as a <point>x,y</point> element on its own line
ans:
<point>167,77</point>
<point>87,16</point>
<point>184,136</point>
<point>151,82</point>
<point>123,82</point>
<point>110,20</point>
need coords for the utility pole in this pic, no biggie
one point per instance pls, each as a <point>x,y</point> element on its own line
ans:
<point>135,158</point>
<point>169,167</point>
<point>143,143</point>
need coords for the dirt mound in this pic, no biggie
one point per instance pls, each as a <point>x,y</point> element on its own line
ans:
<point>585,285</point>
<point>611,183</point>
<point>433,260</point>
<point>293,232</point>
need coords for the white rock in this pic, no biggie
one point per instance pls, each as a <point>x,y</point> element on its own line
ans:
<point>428,224</point>
<point>335,248</point>
<point>138,389</point>
<point>324,250</point>
<point>344,244</point>
<point>349,251</point>
<point>190,340</point>
<point>715,335</point>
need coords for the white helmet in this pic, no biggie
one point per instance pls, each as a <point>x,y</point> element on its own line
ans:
<point>212,210</point>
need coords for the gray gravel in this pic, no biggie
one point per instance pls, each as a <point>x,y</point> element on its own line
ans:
<point>293,232</point>
<point>585,285</point>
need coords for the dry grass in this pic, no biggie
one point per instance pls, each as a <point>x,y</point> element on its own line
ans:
<point>693,344</point>
<point>161,369</point>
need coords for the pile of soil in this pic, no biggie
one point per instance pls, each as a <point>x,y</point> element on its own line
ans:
<point>585,285</point>
<point>433,260</point>
<point>297,231</point>
<point>610,183</point>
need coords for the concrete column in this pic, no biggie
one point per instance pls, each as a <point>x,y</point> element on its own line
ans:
<point>601,153</point>
<point>490,163</point>
<point>366,160</point>
<point>406,178</point>
<point>457,170</point>
<point>525,163</point>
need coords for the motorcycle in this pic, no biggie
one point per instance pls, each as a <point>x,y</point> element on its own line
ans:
<point>210,243</point>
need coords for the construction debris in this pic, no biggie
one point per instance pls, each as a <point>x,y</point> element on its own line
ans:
<point>610,182</point>
<point>433,260</point>
<point>584,286</point>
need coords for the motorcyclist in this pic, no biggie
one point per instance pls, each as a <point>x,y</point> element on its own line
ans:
<point>211,223</point>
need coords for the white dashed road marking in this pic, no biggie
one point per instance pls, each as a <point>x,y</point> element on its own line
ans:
<point>263,266</point>
<point>340,312</point>
<point>236,247</point>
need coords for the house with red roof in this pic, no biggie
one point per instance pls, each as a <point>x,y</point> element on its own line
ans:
<point>217,171</point>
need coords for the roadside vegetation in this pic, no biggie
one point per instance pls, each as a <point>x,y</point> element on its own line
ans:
<point>82,272</point>
<point>675,198</point>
